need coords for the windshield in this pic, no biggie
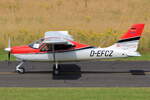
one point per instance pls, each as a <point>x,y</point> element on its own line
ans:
<point>36,44</point>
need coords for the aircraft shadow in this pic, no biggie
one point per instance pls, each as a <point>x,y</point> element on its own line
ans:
<point>66,71</point>
<point>138,72</point>
<point>133,72</point>
<point>73,72</point>
<point>69,72</point>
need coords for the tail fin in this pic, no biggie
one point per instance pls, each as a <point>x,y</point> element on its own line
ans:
<point>129,41</point>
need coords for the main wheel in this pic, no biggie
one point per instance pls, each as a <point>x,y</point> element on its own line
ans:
<point>21,71</point>
<point>56,70</point>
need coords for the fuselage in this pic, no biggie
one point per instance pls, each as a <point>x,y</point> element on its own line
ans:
<point>85,53</point>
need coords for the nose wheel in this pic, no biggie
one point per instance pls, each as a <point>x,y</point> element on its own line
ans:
<point>20,69</point>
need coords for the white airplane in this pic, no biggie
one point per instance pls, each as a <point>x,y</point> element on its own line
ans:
<point>59,46</point>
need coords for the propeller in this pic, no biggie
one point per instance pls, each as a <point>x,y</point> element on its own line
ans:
<point>8,50</point>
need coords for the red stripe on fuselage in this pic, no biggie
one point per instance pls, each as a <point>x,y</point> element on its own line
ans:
<point>23,50</point>
<point>27,50</point>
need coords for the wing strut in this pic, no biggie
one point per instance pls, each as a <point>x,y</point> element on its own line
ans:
<point>54,57</point>
<point>53,51</point>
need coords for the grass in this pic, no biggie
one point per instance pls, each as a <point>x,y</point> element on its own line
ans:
<point>98,20</point>
<point>75,93</point>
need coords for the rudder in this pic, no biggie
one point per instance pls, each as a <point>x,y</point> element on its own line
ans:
<point>130,40</point>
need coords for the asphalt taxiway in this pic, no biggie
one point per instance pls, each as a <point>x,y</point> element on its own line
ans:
<point>78,74</point>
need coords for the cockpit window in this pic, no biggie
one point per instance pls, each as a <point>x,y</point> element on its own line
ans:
<point>46,47</point>
<point>57,47</point>
<point>36,44</point>
<point>40,44</point>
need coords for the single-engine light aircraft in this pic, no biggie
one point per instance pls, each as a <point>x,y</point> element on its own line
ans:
<point>59,46</point>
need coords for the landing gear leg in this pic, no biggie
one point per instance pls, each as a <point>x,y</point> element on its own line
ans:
<point>20,69</point>
<point>56,68</point>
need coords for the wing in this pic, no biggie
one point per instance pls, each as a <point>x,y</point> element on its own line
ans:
<point>58,38</point>
<point>55,40</point>
<point>59,34</point>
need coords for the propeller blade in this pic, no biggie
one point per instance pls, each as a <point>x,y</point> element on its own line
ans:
<point>8,50</point>
<point>9,44</point>
<point>8,56</point>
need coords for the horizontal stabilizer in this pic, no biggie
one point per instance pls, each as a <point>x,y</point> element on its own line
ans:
<point>133,54</point>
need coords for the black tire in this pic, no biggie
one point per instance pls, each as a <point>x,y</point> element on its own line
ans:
<point>56,71</point>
